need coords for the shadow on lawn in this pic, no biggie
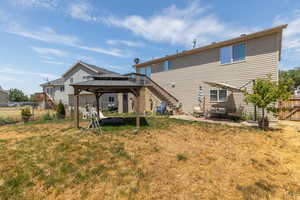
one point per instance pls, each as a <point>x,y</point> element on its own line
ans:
<point>123,121</point>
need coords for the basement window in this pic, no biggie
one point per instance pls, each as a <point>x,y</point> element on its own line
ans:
<point>218,95</point>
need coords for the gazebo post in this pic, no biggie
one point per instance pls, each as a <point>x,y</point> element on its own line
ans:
<point>137,108</point>
<point>97,103</point>
<point>76,105</point>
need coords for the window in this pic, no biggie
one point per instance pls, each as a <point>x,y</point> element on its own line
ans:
<point>233,53</point>
<point>111,99</point>
<point>167,65</point>
<point>239,52</point>
<point>222,95</point>
<point>146,71</point>
<point>62,88</point>
<point>214,95</point>
<point>226,55</point>
<point>218,95</point>
<point>71,80</point>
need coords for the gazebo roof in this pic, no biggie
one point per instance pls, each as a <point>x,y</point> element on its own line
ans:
<point>108,83</point>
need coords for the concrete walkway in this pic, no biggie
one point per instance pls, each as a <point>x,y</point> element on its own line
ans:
<point>218,121</point>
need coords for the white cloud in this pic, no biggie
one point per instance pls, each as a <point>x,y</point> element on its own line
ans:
<point>179,26</point>
<point>54,62</point>
<point>48,35</point>
<point>81,11</point>
<point>7,78</point>
<point>292,33</point>
<point>51,51</point>
<point>36,3</point>
<point>125,42</point>
<point>9,70</point>
<point>291,41</point>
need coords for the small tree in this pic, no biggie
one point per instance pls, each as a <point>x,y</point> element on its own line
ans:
<point>17,95</point>
<point>61,112</point>
<point>26,114</point>
<point>265,94</point>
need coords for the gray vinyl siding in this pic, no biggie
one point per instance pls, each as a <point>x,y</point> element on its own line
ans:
<point>3,97</point>
<point>189,72</point>
<point>77,74</point>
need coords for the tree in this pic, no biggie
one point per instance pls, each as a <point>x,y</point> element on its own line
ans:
<point>265,94</point>
<point>61,112</point>
<point>26,114</point>
<point>17,95</point>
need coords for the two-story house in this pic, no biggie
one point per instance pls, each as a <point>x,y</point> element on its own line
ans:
<point>4,94</point>
<point>59,90</point>
<point>214,75</point>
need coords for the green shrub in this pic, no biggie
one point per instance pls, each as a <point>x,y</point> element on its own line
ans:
<point>60,111</point>
<point>26,114</point>
<point>181,157</point>
<point>4,121</point>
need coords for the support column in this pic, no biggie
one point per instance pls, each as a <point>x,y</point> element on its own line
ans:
<point>76,106</point>
<point>97,103</point>
<point>137,108</point>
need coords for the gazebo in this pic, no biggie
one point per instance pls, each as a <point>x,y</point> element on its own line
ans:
<point>112,83</point>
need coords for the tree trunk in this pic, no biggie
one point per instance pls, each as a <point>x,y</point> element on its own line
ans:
<point>263,118</point>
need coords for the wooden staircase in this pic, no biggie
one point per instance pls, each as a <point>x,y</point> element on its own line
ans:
<point>50,101</point>
<point>162,94</point>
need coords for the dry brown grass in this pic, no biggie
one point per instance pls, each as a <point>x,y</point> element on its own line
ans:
<point>14,113</point>
<point>55,161</point>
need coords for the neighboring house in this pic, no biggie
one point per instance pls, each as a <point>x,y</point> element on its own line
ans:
<point>212,76</point>
<point>4,96</point>
<point>60,89</point>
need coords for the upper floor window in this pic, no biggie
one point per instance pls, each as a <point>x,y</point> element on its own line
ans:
<point>62,88</point>
<point>167,65</point>
<point>218,95</point>
<point>146,71</point>
<point>233,53</point>
<point>71,80</point>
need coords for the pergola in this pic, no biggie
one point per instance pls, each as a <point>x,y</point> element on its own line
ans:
<point>110,83</point>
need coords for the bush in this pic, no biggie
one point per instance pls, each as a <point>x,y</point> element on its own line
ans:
<point>60,111</point>
<point>4,121</point>
<point>181,157</point>
<point>26,114</point>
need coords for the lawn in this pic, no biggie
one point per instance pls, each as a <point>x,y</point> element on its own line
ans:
<point>166,159</point>
<point>14,113</point>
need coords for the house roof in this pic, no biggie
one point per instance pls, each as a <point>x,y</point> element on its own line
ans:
<point>97,71</point>
<point>224,86</point>
<point>56,82</point>
<point>94,68</point>
<point>244,37</point>
<point>4,91</point>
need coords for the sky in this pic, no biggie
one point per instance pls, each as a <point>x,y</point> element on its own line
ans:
<point>41,39</point>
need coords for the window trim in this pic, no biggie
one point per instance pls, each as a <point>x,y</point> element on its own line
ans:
<point>218,96</point>
<point>237,61</point>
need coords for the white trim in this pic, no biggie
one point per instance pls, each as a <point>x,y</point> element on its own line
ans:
<point>73,66</point>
